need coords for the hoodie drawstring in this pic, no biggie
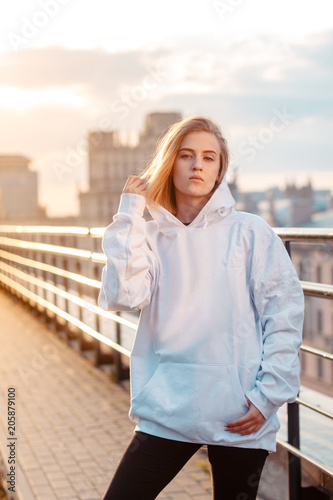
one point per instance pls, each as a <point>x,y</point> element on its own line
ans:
<point>205,221</point>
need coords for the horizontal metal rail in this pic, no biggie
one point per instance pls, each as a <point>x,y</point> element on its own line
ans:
<point>97,284</point>
<point>317,352</point>
<point>45,247</point>
<point>317,289</point>
<point>300,454</point>
<point>67,230</point>
<point>309,288</point>
<point>285,233</point>
<point>49,268</point>
<point>68,317</point>
<point>66,295</point>
<point>95,232</point>
<point>311,235</point>
<point>314,408</point>
<point>53,249</point>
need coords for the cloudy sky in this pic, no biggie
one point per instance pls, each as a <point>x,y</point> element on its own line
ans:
<point>262,69</point>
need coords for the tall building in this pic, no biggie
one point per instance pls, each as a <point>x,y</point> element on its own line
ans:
<point>314,263</point>
<point>111,162</point>
<point>18,190</point>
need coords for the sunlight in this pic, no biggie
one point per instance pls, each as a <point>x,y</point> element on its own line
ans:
<point>20,99</point>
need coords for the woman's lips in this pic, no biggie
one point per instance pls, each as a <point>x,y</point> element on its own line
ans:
<point>196,178</point>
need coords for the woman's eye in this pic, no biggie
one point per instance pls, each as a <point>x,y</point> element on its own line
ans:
<point>185,156</point>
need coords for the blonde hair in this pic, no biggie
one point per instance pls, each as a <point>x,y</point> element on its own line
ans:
<point>159,173</point>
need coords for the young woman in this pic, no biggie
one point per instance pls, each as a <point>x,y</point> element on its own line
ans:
<point>216,350</point>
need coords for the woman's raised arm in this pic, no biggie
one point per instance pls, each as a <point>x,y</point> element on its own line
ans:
<point>129,274</point>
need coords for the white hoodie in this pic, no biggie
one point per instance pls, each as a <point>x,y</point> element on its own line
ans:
<point>222,317</point>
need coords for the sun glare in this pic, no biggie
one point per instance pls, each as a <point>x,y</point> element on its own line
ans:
<point>21,99</point>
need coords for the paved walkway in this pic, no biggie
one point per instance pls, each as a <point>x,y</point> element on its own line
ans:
<point>72,421</point>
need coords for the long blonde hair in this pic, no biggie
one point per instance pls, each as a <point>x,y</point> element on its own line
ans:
<point>159,173</point>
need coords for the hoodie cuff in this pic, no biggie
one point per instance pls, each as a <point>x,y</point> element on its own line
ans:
<point>132,204</point>
<point>265,407</point>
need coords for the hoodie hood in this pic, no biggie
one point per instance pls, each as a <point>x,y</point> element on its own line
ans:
<point>218,206</point>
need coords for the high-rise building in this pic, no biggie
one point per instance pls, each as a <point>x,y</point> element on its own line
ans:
<point>111,162</point>
<point>18,190</point>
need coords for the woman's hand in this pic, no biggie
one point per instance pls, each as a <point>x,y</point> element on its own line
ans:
<point>135,185</point>
<point>249,423</point>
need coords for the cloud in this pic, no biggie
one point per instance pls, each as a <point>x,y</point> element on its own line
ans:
<point>239,84</point>
<point>95,69</point>
<point>265,66</point>
<point>258,66</point>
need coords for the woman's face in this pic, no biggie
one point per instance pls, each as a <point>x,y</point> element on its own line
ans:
<point>196,167</point>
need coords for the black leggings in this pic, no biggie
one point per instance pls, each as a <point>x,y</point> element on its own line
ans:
<point>149,463</point>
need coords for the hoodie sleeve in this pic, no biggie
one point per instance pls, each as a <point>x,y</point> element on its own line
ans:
<point>279,300</point>
<point>129,274</point>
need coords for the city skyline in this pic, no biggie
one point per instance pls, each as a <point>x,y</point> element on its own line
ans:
<point>262,72</point>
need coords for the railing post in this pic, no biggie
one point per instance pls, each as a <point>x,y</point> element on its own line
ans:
<point>30,286</point>
<point>69,334</point>
<point>19,267</point>
<point>85,345</point>
<point>97,343</point>
<point>295,491</point>
<point>38,275</point>
<point>287,245</point>
<point>55,283</point>
<point>101,357</point>
<point>79,293</point>
<point>65,285</point>
<point>34,288</point>
<point>295,487</point>
<point>45,279</point>
<point>65,279</point>
<point>8,273</point>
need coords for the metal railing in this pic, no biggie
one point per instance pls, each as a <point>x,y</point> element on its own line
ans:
<point>54,270</point>
<point>289,235</point>
<point>44,273</point>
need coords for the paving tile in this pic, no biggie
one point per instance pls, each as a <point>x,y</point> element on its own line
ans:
<point>48,496</point>
<point>179,496</point>
<point>204,497</point>
<point>68,450</point>
<point>38,477</point>
<point>66,492</point>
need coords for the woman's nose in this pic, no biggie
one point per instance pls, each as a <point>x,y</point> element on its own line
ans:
<point>197,164</point>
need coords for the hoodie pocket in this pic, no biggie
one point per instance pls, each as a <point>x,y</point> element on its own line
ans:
<point>196,400</point>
